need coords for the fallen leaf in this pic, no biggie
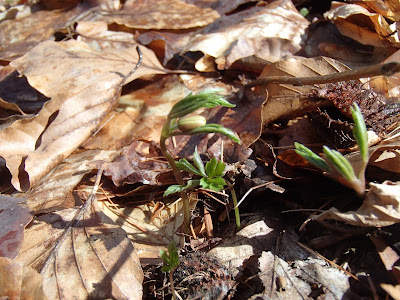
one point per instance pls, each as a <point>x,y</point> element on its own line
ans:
<point>14,216</point>
<point>139,162</point>
<point>55,190</point>
<point>392,290</point>
<point>161,14</point>
<point>97,35</point>
<point>140,114</point>
<point>165,44</point>
<point>381,207</point>
<point>222,7</point>
<point>390,9</point>
<point>142,228</point>
<point>288,101</point>
<point>25,33</point>
<point>375,30</point>
<point>20,282</point>
<point>82,94</point>
<point>82,253</point>
<point>270,31</point>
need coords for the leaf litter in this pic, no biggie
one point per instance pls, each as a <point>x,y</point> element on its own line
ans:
<point>87,116</point>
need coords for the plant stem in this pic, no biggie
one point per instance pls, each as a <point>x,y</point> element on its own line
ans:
<point>171,280</point>
<point>234,199</point>
<point>186,207</point>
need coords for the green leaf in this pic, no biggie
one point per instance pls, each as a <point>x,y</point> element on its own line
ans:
<point>209,98</point>
<point>219,169</point>
<point>184,165</point>
<point>311,157</point>
<point>176,188</point>
<point>210,167</point>
<point>171,260</point>
<point>215,184</point>
<point>199,162</point>
<point>360,132</point>
<point>216,128</point>
<point>337,161</point>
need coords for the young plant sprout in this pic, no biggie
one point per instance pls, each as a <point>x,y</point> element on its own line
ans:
<point>334,164</point>
<point>171,262</point>
<point>180,123</point>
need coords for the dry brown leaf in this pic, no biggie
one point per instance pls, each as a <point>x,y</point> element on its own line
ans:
<point>374,30</point>
<point>139,162</point>
<point>14,216</point>
<point>388,8</point>
<point>83,85</point>
<point>270,32</point>
<point>81,254</point>
<point>286,101</point>
<point>381,207</point>
<point>143,115</point>
<point>25,33</point>
<point>97,35</point>
<point>142,228</point>
<point>165,44</point>
<point>20,282</point>
<point>222,7</point>
<point>161,14</point>
<point>392,290</point>
<point>254,249</point>
<point>55,190</point>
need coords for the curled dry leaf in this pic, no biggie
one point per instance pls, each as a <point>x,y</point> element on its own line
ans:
<point>81,254</point>
<point>18,281</point>
<point>375,30</point>
<point>388,8</point>
<point>287,101</point>
<point>269,32</point>
<point>14,216</point>
<point>381,207</point>
<point>161,14</point>
<point>84,85</point>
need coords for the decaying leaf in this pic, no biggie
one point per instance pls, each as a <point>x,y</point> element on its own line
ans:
<point>139,162</point>
<point>262,251</point>
<point>18,281</point>
<point>82,253</point>
<point>381,207</point>
<point>84,85</point>
<point>375,30</point>
<point>270,32</point>
<point>14,216</point>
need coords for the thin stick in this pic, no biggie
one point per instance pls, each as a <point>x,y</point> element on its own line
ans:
<point>386,69</point>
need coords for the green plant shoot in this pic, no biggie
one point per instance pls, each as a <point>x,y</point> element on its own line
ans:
<point>171,262</point>
<point>170,259</point>
<point>335,164</point>
<point>179,123</point>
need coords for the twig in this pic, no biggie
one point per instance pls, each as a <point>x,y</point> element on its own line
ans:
<point>386,69</point>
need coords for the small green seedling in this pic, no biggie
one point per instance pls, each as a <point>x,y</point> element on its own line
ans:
<point>211,174</point>
<point>179,122</point>
<point>171,262</point>
<point>334,164</point>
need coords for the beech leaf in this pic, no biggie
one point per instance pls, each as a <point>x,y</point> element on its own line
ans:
<point>84,85</point>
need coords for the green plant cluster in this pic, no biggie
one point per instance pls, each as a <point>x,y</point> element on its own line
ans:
<point>335,164</point>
